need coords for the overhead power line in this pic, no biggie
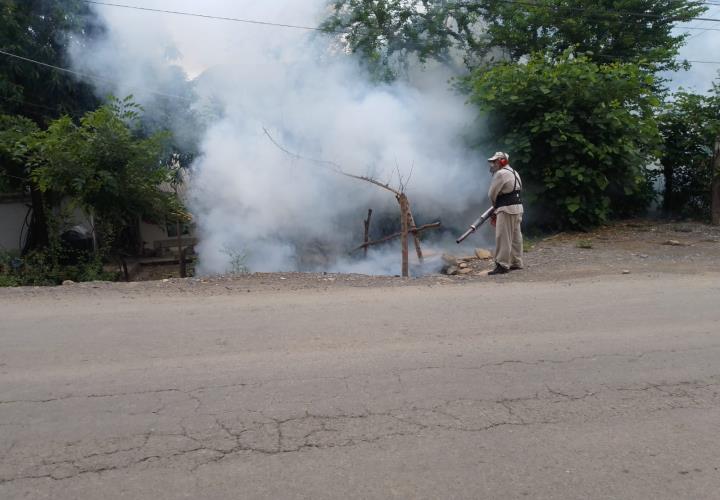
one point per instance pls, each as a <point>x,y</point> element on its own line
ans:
<point>208,16</point>
<point>163,94</point>
<point>593,12</point>
<point>88,75</point>
<point>57,109</point>
<point>697,28</point>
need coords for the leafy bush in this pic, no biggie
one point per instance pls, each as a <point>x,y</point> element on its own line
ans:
<point>237,260</point>
<point>51,267</point>
<point>580,133</point>
<point>689,124</point>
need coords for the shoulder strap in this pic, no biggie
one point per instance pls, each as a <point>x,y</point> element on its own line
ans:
<point>515,175</point>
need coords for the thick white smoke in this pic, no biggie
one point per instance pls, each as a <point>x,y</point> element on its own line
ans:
<point>251,198</point>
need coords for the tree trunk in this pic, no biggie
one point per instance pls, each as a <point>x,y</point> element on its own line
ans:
<point>669,185</point>
<point>715,186</point>
<point>94,233</point>
<point>183,263</point>
<point>124,267</point>
<point>38,237</point>
<point>404,217</point>
<point>181,252</point>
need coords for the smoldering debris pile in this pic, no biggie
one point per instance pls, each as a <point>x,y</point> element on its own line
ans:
<point>253,204</point>
<point>464,265</point>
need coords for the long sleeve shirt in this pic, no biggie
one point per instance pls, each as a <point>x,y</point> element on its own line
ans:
<point>506,180</point>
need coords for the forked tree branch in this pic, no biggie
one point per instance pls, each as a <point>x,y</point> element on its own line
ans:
<point>332,165</point>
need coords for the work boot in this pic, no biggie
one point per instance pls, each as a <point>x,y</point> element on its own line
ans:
<point>515,268</point>
<point>498,270</point>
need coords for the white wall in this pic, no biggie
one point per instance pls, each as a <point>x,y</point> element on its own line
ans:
<point>150,233</point>
<point>12,216</point>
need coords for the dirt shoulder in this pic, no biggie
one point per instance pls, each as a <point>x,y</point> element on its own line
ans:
<point>637,247</point>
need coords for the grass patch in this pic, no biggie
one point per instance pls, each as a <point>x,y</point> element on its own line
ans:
<point>529,243</point>
<point>585,244</point>
<point>42,269</point>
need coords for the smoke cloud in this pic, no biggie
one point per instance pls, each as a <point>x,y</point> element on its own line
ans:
<point>255,204</point>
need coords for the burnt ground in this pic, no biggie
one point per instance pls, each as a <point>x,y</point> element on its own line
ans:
<point>635,247</point>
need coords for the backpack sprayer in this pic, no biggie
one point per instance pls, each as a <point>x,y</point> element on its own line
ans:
<point>475,225</point>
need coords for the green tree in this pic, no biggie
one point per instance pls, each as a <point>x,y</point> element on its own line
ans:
<point>43,30</point>
<point>103,166</point>
<point>690,125</point>
<point>16,138</point>
<point>16,133</point>
<point>387,31</point>
<point>639,31</point>
<point>581,134</point>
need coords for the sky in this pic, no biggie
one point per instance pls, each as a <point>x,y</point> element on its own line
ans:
<point>700,46</point>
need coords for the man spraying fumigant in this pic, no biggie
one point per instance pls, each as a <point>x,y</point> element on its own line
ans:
<point>505,195</point>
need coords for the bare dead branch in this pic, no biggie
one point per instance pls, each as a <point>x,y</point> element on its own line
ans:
<point>333,166</point>
<point>412,169</point>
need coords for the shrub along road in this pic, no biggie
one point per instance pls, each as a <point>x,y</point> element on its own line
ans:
<point>590,388</point>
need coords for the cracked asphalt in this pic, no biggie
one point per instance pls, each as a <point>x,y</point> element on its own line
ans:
<point>595,389</point>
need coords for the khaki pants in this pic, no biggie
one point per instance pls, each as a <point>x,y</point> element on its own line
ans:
<point>508,240</point>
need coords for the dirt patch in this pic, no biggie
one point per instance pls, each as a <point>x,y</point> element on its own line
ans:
<point>637,247</point>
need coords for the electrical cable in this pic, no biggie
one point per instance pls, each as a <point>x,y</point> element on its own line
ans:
<point>607,12</point>
<point>331,32</point>
<point>162,94</point>
<point>87,75</point>
<point>697,28</point>
<point>57,109</point>
<point>702,24</point>
<point>292,26</point>
<point>207,16</point>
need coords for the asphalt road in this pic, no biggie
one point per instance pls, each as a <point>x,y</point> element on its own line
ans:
<point>595,389</point>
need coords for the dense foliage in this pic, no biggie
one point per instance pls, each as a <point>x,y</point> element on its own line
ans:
<point>690,125</point>
<point>571,89</point>
<point>100,165</point>
<point>72,155</point>
<point>386,32</point>
<point>43,30</point>
<point>581,133</point>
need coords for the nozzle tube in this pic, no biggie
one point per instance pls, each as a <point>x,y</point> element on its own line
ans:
<point>475,225</point>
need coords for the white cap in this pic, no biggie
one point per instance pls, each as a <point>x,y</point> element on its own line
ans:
<point>499,156</point>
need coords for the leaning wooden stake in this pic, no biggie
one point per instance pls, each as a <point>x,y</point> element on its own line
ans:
<point>418,230</point>
<point>366,222</point>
